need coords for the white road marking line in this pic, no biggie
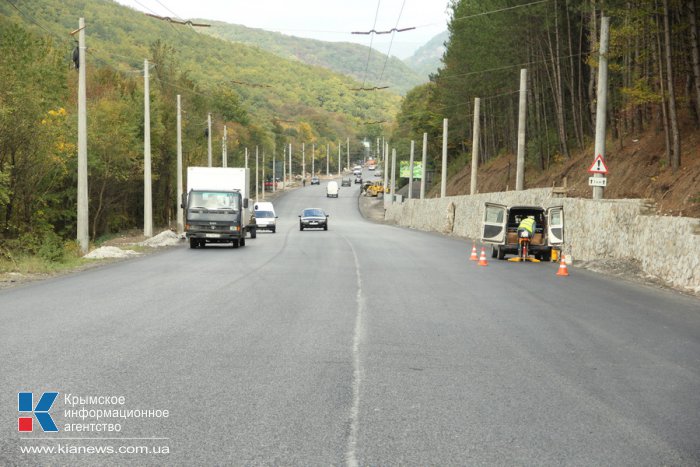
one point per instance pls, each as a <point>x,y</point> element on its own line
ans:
<point>351,450</point>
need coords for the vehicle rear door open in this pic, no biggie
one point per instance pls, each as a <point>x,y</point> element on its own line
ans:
<point>555,225</point>
<point>494,225</point>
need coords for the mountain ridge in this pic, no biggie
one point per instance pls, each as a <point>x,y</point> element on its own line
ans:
<point>347,58</point>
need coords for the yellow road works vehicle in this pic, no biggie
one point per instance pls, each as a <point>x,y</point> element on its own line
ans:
<point>375,188</point>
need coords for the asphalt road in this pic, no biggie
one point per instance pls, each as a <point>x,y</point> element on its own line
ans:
<point>367,344</point>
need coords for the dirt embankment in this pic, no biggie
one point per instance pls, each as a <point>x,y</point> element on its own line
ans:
<point>637,169</point>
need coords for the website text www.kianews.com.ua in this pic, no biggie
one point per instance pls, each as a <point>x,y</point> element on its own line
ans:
<point>61,448</point>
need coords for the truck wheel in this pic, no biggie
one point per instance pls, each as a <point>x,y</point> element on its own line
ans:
<point>253,233</point>
<point>501,253</point>
<point>241,242</point>
<point>494,252</point>
<point>234,244</point>
<point>193,243</point>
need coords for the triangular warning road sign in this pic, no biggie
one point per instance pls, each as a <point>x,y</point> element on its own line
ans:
<point>598,166</point>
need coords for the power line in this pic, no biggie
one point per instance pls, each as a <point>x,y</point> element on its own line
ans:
<point>375,88</point>
<point>388,52</point>
<point>170,20</point>
<point>371,40</point>
<point>35,22</point>
<point>484,13</point>
<point>506,67</point>
<point>373,31</point>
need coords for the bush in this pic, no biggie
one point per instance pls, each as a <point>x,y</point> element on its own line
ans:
<point>51,248</point>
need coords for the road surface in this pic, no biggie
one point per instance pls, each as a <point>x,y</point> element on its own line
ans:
<point>367,344</point>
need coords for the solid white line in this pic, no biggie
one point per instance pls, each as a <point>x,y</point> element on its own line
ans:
<point>351,450</point>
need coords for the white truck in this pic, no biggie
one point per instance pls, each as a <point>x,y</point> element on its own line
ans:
<point>216,206</point>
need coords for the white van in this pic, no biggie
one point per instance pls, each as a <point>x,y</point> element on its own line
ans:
<point>332,189</point>
<point>500,227</point>
<point>265,216</point>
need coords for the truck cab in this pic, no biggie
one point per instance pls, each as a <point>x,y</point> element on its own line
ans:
<point>215,216</point>
<point>500,229</point>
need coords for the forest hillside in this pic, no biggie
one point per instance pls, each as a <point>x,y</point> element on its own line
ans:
<point>653,97</point>
<point>375,69</point>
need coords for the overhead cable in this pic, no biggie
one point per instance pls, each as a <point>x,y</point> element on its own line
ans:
<point>371,40</point>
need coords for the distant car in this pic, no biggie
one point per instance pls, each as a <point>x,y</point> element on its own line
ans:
<point>346,182</point>
<point>332,189</point>
<point>315,180</point>
<point>358,179</point>
<point>313,218</point>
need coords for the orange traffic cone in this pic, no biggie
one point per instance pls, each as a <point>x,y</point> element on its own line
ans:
<point>563,270</point>
<point>474,256</point>
<point>482,258</point>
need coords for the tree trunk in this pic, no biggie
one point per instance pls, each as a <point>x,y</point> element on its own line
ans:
<point>559,98</point>
<point>695,55</point>
<point>676,154</point>
<point>592,71</point>
<point>578,133</point>
<point>662,88</point>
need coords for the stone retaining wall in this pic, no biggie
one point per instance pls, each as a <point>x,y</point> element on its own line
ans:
<point>667,248</point>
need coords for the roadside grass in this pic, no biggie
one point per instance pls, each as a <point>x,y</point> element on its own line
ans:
<point>24,263</point>
<point>63,259</point>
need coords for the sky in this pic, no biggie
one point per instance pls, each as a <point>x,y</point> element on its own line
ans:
<point>328,20</point>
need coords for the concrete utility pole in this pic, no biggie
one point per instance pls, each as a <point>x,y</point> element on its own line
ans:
<point>348,150</point>
<point>303,161</point>
<point>410,171</point>
<point>328,160</point>
<point>256,174</point>
<point>522,115</point>
<point>393,175</point>
<point>384,149</point>
<point>386,168</point>
<point>340,157</point>
<point>209,139</point>
<point>425,167</point>
<point>291,174</point>
<point>246,158</point>
<point>602,96</point>
<point>443,181</point>
<point>147,195</point>
<point>180,220</point>
<point>313,158</point>
<point>274,172</point>
<point>224,152</point>
<point>284,167</point>
<point>83,236</point>
<point>475,146</point>
<point>263,175</point>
